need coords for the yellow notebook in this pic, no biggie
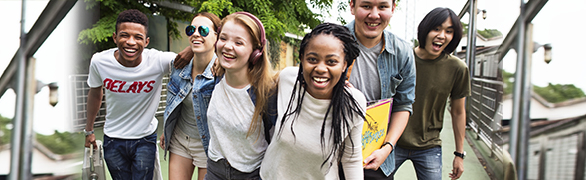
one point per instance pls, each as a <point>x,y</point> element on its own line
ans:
<point>375,127</point>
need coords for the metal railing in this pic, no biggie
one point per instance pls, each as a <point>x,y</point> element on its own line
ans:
<point>485,104</point>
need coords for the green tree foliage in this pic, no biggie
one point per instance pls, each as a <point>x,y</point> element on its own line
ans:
<point>277,16</point>
<point>5,132</point>
<point>464,28</point>
<point>415,42</point>
<point>58,143</point>
<point>490,33</point>
<point>486,33</point>
<point>555,93</point>
<point>62,142</point>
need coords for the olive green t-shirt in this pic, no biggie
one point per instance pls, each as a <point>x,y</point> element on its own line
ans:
<point>437,80</point>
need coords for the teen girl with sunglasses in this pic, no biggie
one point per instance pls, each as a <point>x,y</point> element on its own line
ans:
<point>189,91</point>
<point>237,142</point>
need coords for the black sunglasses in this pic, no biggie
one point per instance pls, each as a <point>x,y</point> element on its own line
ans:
<point>202,30</point>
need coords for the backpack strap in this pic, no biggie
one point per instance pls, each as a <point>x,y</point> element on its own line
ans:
<point>269,119</point>
<point>217,79</point>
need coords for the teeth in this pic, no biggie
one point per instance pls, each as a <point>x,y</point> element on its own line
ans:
<point>438,43</point>
<point>130,50</point>
<point>195,42</point>
<point>320,80</point>
<point>372,25</point>
<point>228,55</point>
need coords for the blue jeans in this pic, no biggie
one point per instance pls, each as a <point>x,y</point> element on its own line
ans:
<point>427,163</point>
<point>131,158</point>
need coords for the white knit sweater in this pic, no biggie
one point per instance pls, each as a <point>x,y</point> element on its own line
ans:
<point>300,156</point>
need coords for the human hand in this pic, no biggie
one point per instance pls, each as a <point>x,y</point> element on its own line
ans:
<point>458,168</point>
<point>162,141</point>
<point>90,139</point>
<point>183,58</point>
<point>376,159</point>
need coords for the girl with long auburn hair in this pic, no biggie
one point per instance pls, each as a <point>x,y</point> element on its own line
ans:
<point>237,138</point>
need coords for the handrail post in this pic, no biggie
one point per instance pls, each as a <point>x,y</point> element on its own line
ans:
<point>16,143</point>
<point>471,47</point>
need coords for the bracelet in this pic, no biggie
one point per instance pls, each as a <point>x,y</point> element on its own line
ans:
<point>389,143</point>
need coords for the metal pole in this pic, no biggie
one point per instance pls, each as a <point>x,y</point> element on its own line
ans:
<point>525,119</point>
<point>16,140</point>
<point>28,133</point>
<point>515,119</point>
<point>471,49</point>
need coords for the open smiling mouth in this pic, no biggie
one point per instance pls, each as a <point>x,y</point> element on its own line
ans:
<point>129,50</point>
<point>321,81</point>
<point>229,56</point>
<point>372,24</point>
<point>437,45</point>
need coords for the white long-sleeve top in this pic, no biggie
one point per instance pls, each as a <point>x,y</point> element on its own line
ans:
<point>300,156</point>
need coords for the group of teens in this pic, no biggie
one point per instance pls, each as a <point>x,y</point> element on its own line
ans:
<point>319,123</point>
<point>219,102</point>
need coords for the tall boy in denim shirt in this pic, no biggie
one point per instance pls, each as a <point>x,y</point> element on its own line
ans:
<point>384,69</point>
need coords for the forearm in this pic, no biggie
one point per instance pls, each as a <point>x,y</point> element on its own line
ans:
<point>459,126</point>
<point>183,58</point>
<point>397,125</point>
<point>94,101</point>
<point>458,112</point>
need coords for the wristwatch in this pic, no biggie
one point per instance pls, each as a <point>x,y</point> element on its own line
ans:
<point>388,143</point>
<point>462,155</point>
<point>87,133</point>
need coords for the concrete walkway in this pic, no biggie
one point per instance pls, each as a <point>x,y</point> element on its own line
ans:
<point>473,169</point>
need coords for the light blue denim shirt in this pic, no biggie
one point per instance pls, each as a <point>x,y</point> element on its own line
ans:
<point>396,68</point>
<point>177,89</point>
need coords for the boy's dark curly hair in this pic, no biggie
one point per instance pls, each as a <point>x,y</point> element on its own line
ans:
<point>133,16</point>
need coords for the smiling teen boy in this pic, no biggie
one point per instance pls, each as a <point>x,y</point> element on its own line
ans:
<point>439,76</point>
<point>131,76</point>
<point>384,69</point>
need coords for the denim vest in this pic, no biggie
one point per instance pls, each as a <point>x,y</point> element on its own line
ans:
<point>396,68</point>
<point>177,89</point>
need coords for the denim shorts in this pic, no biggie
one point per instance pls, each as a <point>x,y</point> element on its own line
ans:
<point>222,170</point>
<point>131,158</point>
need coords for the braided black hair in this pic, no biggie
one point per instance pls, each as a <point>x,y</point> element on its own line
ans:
<point>343,106</point>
